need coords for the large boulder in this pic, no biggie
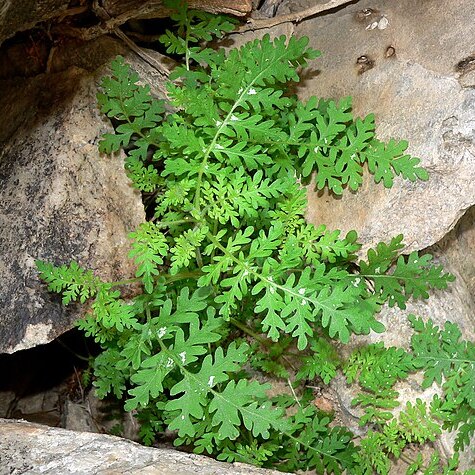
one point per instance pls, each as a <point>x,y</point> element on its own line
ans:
<point>35,449</point>
<point>21,15</point>
<point>60,200</point>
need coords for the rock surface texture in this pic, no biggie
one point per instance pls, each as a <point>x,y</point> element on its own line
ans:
<point>59,200</point>
<point>21,15</point>
<point>156,9</point>
<point>34,449</point>
<point>458,249</point>
<point>421,88</point>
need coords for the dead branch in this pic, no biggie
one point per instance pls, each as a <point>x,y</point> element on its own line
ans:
<point>259,24</point>
<point>142,9</point>
<point>160,67</point>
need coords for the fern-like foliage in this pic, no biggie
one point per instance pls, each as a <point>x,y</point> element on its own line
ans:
<point>379,448</point>
<point>149,248</point>
<point>377,369</point>
<point>73,282</point>
<point>411,276</point>
<point>450,362</point>
<point>234,279</point>
<point>445,360</point>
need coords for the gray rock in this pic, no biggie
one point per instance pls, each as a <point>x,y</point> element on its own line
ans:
<point>420,93</point>
<point>35,449</point>
<point>59,200</point>
<point>77,417</point>
<point>7,398</point>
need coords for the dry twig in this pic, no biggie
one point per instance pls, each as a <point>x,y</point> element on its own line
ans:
<point>160,67</point>
<point>259,24</point>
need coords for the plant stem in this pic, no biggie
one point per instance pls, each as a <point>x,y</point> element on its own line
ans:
<point>248,331</point>
<point>78,356</point>
<point>167,224</point>
<point>187,42</point>
<point>148,313</point>
<point>199,259</point>
<point>124,282</point>
<point>263,341</point>
<point>293,392</point>
<point>183,275</point>
<point>169,278</point>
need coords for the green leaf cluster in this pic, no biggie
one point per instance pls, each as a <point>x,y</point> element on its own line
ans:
<point>377,369</point>
<point>73,282</point>
<point>378,447</point>
<point>446,360</point>
<point>235,282</point>
<point>450,362</point>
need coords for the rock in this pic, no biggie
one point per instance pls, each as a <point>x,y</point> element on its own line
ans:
<point>77,417</point>
<point>418,92</point>
<point>87,55</point>
<point>59,199</point>
<point>35,449</point>
<point>25,14</point>
<point>90,414</point>
<point>41,408</point>
<point>458,250</point>
<point>7,398</point>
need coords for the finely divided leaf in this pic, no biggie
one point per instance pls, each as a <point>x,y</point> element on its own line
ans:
<point>149,248</point>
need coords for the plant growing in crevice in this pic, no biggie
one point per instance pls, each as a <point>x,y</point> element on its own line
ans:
<point>234,279</point>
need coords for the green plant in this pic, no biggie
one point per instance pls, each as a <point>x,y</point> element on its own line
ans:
<point>438,354</point>
<point>235,281</point>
